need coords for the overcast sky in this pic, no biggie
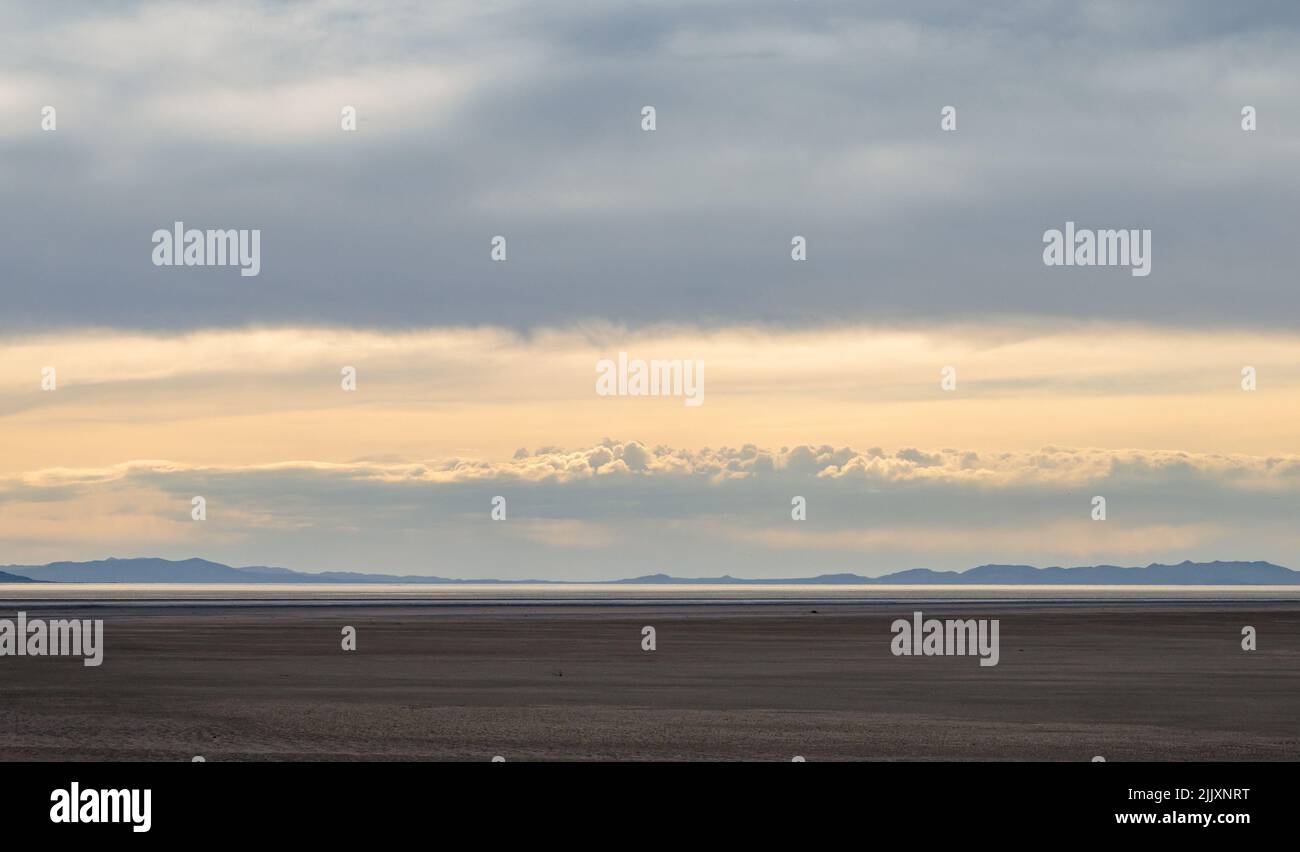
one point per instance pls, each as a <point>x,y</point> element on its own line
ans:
<point>775,118</point>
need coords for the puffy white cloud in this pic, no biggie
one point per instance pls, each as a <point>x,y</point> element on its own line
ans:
<point>631,460</point>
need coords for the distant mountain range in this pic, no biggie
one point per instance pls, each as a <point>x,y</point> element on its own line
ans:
<point>151,570</point>
<point>1182,574</point>
<point>14,578</point>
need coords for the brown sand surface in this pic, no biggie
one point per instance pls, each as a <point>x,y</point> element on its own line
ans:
<point>738,682</point>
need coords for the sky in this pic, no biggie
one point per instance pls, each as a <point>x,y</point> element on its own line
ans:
<point>824,378</point>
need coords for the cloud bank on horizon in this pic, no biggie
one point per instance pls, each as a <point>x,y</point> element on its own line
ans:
<point>622,508</point>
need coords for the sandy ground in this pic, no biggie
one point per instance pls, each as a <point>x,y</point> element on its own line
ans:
<point>768,682</point>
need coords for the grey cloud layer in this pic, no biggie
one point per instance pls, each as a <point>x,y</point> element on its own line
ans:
<point>621,508</point>
<point>522,119</point>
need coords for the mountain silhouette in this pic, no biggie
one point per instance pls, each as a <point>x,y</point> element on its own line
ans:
<point>153,570</point>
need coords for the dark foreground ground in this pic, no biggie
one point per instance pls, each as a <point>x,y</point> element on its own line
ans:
<point>1127,682</point>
